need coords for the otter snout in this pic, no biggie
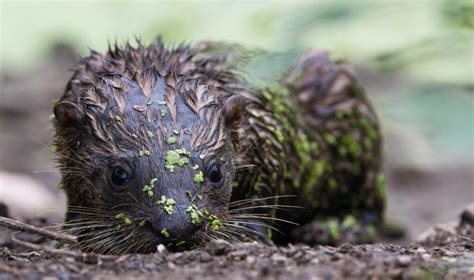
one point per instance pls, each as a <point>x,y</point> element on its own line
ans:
<point>175,228</point>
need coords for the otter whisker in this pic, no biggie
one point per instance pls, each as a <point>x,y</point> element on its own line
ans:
<point>223,235</point>
<point>248,200</point>
<point>106,238</point>
<point>273,206</point>
<point>247,216</point>
<point>242,230</point>
<point>244,167</point>
<point>50,149</point>
<point>235,225</point>
<point>257,224</point>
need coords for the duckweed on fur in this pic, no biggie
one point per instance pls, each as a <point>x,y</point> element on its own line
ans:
<point>172,140</point>
<point>198,177</point>
<point>121,216</point>
<point>165,233</point>
<point>150,134</point>
<point>167,204</point>
<point>195,214</point>
<point>149,188</point>
<point>179,157</point>
<point>144,153</point>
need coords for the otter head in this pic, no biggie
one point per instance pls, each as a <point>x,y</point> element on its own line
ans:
<point>146,142</point>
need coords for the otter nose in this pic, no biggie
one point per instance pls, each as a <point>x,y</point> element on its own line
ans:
<point>171,229</point>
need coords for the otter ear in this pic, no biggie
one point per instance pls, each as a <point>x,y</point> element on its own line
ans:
<point>68,113</point>
<point>233,111</point>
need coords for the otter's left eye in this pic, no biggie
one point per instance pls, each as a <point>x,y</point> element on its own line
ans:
<point>215,174</point>
<point>119,176</point>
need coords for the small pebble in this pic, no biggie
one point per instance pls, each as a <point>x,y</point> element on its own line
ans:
<point>161,249</point>
<point>219,247</point>
<point>278,259</point>
<point>404,260</point>
<point>421,250</point>
<point>205,257</point>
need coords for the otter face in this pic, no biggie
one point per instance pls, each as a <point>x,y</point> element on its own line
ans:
<point>146,151</point>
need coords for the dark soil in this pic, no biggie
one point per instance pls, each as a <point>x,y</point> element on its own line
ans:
<point>416,199</point>
<point>447,253</point>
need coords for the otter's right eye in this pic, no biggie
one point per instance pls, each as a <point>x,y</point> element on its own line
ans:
<point>119,176</point>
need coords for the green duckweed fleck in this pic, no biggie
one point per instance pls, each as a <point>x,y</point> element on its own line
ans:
<point>127,221</point>
<point>172,158</point>
<point>171,140</point>
<point>165,233</point>
<point>161,102</point>
<point>120,216</point>
<point>195,214</point>
<point>162,200</point>
<point>167,204</point>
<point>268,142</point>
<point>142,223</point>
<point>144,153</point>
<point>215,224</point>
<point>183,161</point>
<point>118,118</point>
<point>279,135</point>
<point>198,177</point>
<point>150,134</point>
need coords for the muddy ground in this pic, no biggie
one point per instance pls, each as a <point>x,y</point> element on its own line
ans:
<point>448,253</point>
<point>418,199</point>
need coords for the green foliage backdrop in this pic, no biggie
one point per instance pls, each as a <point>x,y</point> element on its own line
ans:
<point>417,56</point>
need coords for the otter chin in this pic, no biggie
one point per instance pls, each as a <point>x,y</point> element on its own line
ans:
<point>179,147</point>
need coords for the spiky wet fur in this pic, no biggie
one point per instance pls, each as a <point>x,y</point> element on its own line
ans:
<point>310,140</point>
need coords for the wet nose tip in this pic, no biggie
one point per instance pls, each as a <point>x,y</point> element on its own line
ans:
<point>174,232</point>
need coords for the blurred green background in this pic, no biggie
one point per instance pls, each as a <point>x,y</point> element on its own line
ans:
<point>424,47</point>
<point>416,59</point>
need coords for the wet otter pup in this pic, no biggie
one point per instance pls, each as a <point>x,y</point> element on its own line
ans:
<point>180,146</point>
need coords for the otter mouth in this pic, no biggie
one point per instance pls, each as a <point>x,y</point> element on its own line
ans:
<point>144,241</point>
<point>123,235</point>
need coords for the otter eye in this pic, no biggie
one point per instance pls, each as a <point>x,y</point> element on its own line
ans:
<point>119,176</point>
<point>215,173</point>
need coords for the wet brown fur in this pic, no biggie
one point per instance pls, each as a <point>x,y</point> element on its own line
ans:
<point>113,108</point>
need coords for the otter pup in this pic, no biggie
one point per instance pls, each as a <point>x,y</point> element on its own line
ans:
<point>180,146</point>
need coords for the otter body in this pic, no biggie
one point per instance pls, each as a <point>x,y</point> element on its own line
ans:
<point>182,146</point>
